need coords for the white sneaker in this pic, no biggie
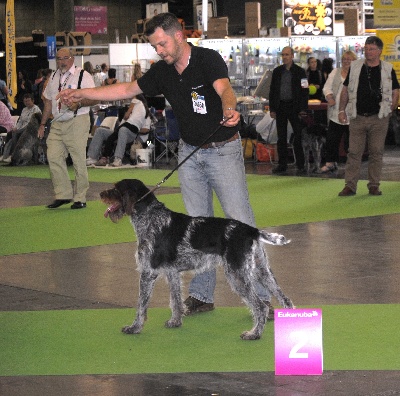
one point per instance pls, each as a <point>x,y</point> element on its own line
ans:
<point>90,161</point>
<point>117,162</point>
<point>7,160</point>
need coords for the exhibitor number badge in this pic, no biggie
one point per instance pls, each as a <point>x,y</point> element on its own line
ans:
<point>199,104</point>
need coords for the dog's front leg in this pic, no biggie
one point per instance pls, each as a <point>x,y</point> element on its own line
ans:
<point>174,280</point>
<point>147,280</point>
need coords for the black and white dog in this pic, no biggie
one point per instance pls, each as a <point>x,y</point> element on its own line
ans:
<point>313,138</point>
<point>26,149</point>
<point>170,242</point>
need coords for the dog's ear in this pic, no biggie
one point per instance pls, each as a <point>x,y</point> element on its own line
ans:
<point>132,190</point>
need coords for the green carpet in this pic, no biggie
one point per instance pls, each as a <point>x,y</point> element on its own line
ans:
<point>355,337</point>
<point>148,176</point>
<point>275,200</point>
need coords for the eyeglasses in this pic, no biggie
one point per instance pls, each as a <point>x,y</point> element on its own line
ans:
<point>64,58</point>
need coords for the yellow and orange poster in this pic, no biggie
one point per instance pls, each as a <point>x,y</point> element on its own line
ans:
<point>11,61</point>
<point>391,47</point>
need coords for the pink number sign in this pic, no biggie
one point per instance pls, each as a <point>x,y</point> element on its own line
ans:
<point>298,342</point>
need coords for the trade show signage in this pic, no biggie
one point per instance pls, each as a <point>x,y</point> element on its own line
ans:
<point>298,342</point>
<point>308,17</point>
<point>91,19</point>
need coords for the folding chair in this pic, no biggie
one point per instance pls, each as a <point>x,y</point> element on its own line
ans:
<point>166,133</point>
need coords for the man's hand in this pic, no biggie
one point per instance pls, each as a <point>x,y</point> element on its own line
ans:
<point>70,96</point>
<point>231,118</point>
<point>41,131</point>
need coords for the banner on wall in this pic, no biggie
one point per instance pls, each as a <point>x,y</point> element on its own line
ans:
<point>51,47</point>
<point>11,61</point>
<point>391,48</point>
<point>386,13</point>
<point>309,17</point>
<point>91,19</point>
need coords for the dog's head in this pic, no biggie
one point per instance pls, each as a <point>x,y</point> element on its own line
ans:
<point>125,198</point>
<point>35,120</point>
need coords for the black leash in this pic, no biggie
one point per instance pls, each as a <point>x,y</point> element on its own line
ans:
<point>158,185</point>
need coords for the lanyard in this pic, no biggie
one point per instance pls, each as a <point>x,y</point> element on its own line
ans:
<point>62,86</point>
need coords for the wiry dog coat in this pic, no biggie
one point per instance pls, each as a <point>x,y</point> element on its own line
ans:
<point>170,242</point>
<point>26,149</point>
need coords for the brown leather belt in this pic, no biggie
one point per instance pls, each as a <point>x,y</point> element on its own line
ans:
<point>220,144</point>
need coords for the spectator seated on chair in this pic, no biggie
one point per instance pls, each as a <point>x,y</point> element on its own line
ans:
<point>103,132</point>
<point>136,117</point>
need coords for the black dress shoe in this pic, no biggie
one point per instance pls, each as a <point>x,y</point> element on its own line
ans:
<point>78,205</point>
<point>280,169</point>
<point>301,171</point>
<point>57,203</point>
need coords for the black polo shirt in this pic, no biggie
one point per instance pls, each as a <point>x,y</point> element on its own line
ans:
<point>195,83</point>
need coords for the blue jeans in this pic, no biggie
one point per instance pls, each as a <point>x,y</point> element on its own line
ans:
<point>101,135</point>
<point>125,136</point>
<point>220,170</point>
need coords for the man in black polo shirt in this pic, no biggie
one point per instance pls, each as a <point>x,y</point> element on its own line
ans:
<point>288,98</point>
<point>195,82</point>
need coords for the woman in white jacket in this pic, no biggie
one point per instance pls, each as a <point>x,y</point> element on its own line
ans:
<point>332,90</point>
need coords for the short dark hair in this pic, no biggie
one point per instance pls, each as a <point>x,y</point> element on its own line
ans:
<point>166,21</point>
<point>374,40</point>
<point>112,73</point>
<point>28,96</point>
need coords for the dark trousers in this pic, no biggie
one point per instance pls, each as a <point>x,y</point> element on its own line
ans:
<point>333,139</point>
<point>284,114</point>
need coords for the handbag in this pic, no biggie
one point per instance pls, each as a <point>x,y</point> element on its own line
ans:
<point>262,153</point>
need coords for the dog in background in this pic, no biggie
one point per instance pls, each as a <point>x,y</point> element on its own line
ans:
<point>170,242</point>
<point>27,147</point>
<point>313,137</point>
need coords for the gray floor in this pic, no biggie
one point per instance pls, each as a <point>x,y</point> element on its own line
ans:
<point>311,272</point>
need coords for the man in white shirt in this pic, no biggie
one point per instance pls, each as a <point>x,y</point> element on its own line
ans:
<point>69,131</point>
<point>104,71</point>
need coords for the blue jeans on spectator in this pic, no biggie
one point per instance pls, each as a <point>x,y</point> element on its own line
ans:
<point>101,135</point>
<point>220,170</point>
<point>125,136</point>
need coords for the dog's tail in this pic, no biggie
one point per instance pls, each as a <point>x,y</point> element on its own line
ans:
<point>273,238</point>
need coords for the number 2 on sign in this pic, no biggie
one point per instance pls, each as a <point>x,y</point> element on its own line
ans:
<point>301,339</point>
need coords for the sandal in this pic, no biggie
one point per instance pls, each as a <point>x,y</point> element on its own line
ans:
<point>328,168</point>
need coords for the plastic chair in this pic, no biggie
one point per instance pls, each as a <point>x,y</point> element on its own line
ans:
<point>166,133</point>
<point>109,122</point>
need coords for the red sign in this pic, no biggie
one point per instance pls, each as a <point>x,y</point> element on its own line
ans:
<point>91,19</point>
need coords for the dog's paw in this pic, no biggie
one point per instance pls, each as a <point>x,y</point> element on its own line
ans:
<point>173,323</point>
<point>132,329</point>
<point>250,335</point>
<point>288,304</point>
